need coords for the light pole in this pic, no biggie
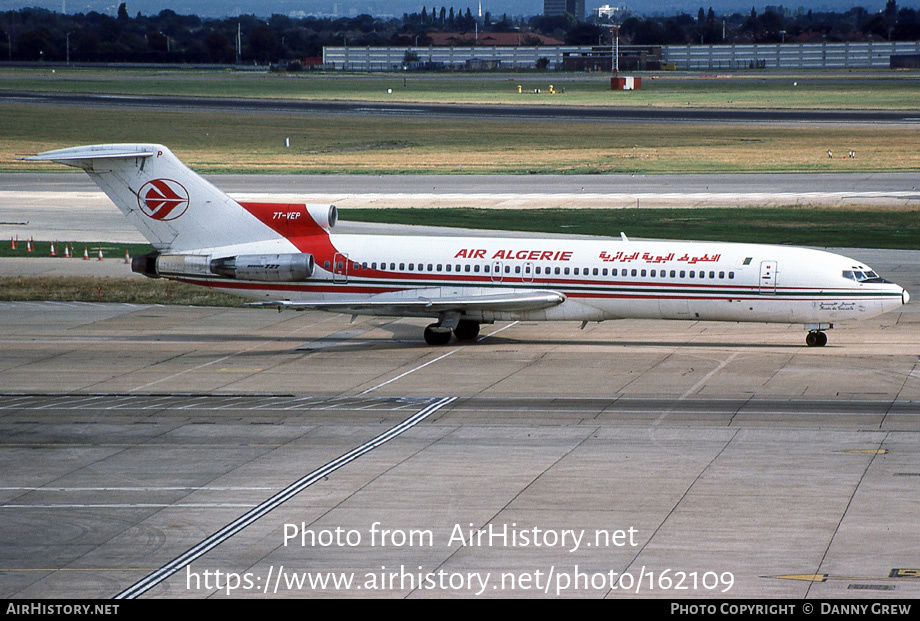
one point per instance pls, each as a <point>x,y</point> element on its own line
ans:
<point>615,49</point>
<point>68,49</point>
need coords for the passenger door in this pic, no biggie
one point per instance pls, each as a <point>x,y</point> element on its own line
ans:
<point>768,277</point>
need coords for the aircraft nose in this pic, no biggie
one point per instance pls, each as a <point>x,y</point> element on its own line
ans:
<point>905,296</point>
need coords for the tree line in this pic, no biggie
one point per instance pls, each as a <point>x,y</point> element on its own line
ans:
<point>34,34</point>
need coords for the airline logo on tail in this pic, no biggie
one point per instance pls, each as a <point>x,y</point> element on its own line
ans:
<point>163,199</point>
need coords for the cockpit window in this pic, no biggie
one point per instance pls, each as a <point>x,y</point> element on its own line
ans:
<point>862,276</point>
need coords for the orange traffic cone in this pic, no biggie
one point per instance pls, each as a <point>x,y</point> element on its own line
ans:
<point>66,251</point>
<point>12,243</point>
<point>29,245</point>
<point>85,253</point>
<point>127,257</point>
<point>52,249</point>
<point>100,254</point>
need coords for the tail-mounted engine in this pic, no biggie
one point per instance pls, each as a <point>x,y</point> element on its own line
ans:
<point>265,267</point>
<point>146,264</point>
<point>259,267</point>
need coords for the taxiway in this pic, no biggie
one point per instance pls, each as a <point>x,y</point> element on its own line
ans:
<point>144,446</point>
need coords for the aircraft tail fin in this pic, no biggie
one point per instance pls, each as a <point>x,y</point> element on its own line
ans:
<point>171,205</point>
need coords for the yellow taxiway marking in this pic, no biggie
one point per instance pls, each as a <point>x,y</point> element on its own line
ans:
<point>896,574</point>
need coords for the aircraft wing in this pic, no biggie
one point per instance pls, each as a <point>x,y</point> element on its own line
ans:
<point>425,302</point>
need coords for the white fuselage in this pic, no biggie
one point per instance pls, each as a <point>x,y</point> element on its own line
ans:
<point>600,279</point>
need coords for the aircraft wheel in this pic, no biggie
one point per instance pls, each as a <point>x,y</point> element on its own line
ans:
<point>816,339</point>
<point>436,337</point>
<point>467,330</point>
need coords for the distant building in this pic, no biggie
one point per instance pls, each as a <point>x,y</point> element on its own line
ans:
<point>607,13</point>
<point>561,7</point>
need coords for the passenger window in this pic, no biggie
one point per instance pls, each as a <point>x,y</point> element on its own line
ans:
<point>673,274</point>
<point>604,272</point>
<point>692,274</point>
<point>634,272</point>
<point>613,272</point>
<point>712,275</point>
<point>642,273</point>
<point>476,268</point>
<point>731,275</point>
<point>485,268</point>
<point>466,268</point>
<point>683,274</point>
<point>392,267</point>
<point>517,269</point>
<point>557,271</point>
<point>652,273</point>
<point>566,271</point>
<point>326,265</point>
<point>721,275</point>
<point>576,271</point>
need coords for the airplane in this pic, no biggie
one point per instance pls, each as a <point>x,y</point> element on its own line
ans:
<point>286,256</point>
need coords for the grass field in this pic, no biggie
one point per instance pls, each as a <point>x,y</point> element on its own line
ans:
<point>851,90</point>
<point>860,228</point>
<point>42,248</point>
<point>253,142</point>
<point>91,289</point>
<point>250,142</point>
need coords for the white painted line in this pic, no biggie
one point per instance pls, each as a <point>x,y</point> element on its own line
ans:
<point>276,501</point>
<point>422,366</point>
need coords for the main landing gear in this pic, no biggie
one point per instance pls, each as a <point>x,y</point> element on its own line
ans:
<point>816,338</point>
<point>439,333</point>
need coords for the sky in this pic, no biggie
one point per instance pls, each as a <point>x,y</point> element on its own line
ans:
<point>350,8</point>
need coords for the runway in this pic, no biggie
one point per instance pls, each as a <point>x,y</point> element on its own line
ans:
<point>516,112</point>
<point>617,461</point>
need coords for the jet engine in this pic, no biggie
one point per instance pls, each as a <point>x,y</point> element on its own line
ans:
<point>265,267</point>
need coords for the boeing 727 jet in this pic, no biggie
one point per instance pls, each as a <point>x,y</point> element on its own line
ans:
<point>286,256</point>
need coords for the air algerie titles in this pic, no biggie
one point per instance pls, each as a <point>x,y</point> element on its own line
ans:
<point>523,255</point>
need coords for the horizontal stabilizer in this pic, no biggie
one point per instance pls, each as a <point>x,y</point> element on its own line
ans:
<point>74,155</point>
